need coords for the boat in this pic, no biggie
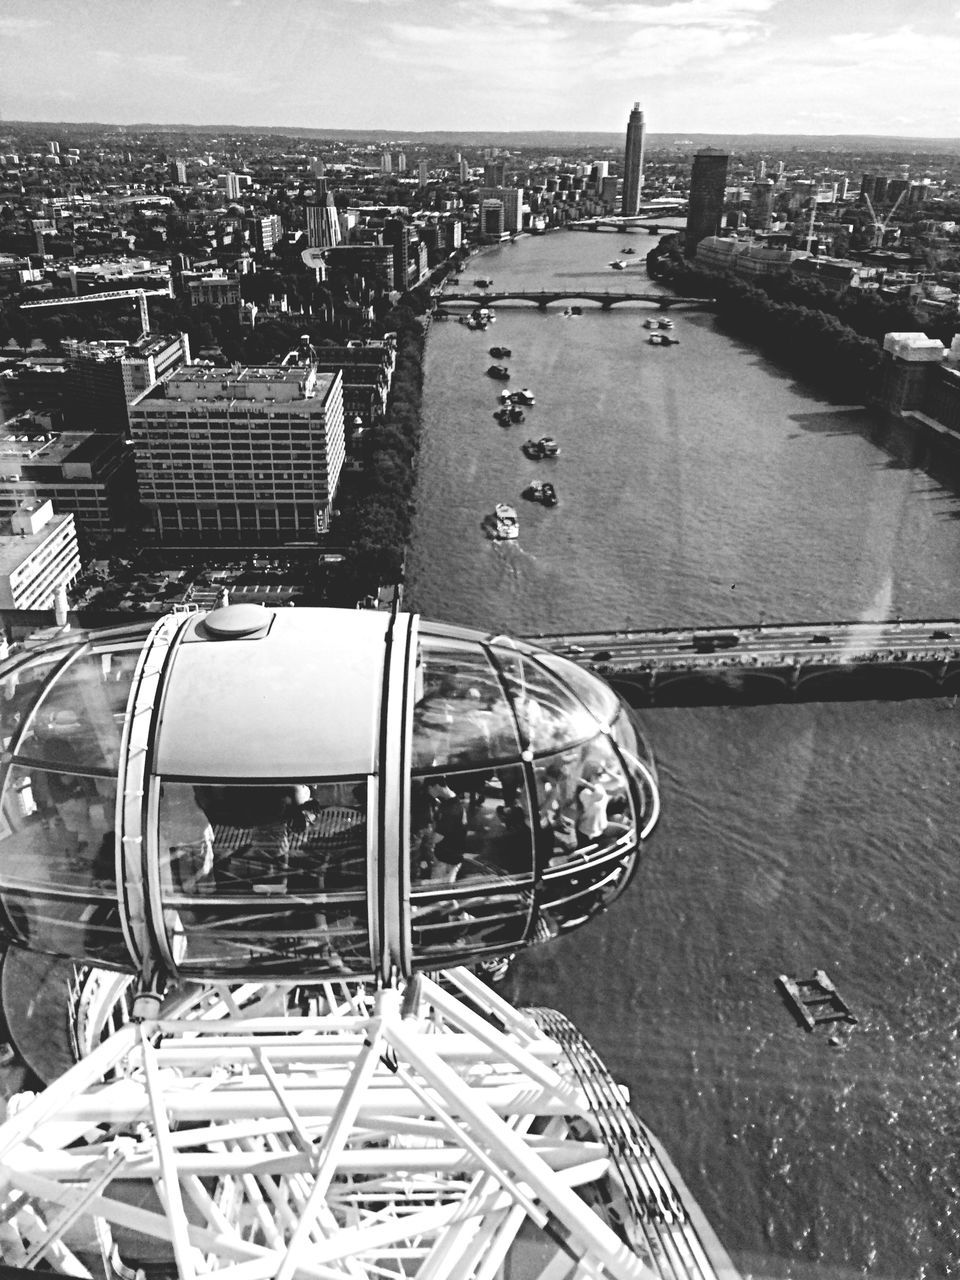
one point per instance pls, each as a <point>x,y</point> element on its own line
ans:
<point>523,396</point>
<point>541,491</point>
<point>516,414</point>
<point>662,340</point>
<point>576,311</point>
<point>499,371</point>
<point>665,324</point>
<point>503,417</point>
<point>506,397</point>
<point>483,283</point>
<point>628,250</point>
<point>501,353</point>
<point>617,266</point>
<point>505,522</point>
<point>545,447</point>
<point>815,1000</point>
<point>650,323</point>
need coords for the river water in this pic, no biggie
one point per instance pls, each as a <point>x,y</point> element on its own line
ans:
<point>699,483</point>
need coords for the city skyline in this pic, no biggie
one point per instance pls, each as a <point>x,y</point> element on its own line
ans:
<point>699,66</point>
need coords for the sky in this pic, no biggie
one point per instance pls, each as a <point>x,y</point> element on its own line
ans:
<point>695,66</point>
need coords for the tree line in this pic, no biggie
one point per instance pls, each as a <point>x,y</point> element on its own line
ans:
<point>833,340</point>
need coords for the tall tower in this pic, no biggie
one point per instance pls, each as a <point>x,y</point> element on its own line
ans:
<point>708,180</point>
<point>633,164</point>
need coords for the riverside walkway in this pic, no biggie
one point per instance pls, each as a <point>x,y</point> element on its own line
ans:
<point>793,662</point>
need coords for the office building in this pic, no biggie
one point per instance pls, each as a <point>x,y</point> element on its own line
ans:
<point>104,376</point>
<point>178,172</point>
<point>512,200</point>
<point>403,240</point>
<point>464,170</point>
<point>491,219</point>
<point>400,162</point>
<point>494,173</point>
<point>633,164</point>
<point>422,173</point>
<point>91,476</point>
<point>386,162</point>
<point>323,224</point>
<point>240,455</point>
<point>708,180</point>
<point>233,186</point>
<point>39,557</point>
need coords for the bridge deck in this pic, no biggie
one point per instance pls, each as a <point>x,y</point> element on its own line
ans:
<point>772,663</point>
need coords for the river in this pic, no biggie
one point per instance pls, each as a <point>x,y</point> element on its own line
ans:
<point>699,483</point>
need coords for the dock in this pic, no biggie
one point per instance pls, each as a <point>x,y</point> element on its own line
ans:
<point>815,1000</point>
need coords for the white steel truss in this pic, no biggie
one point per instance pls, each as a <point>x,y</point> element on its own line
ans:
<point>339,1132</point>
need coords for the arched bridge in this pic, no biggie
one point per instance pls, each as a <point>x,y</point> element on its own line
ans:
<point>797,662</point>
<point>544,297</point>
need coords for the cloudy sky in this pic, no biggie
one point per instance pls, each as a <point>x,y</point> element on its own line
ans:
<point>737,66</point>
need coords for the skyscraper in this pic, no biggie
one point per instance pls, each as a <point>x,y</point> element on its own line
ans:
<point>708,180</point>
<point>633,164</point>
<point>323,225</point>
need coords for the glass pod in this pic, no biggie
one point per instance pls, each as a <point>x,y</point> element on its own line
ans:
<point>309,793</point>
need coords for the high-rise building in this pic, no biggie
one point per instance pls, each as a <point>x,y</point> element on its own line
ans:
<point>386,162</point>
<point>400,161</point>
<point>323,225</point>
<point>464,170</point>
<point>233,186</point>
<point>633,164</point>
<point>178,172</point>
<point>240,455</point>
<point>512,200</point>
<point>104,376</point>
<point>491,219</point>
<point>708,181</point>
<point>494,173</point>
<point>422,172</point>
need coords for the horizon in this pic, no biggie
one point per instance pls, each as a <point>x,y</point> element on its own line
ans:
<point>521,66</point>
<point>399,135</point>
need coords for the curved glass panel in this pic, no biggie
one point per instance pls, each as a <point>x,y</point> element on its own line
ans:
<point>593,692</point>
<point>57,830</point>
<point>265,879</point>
<point>450,926</point>
<point>460,714</point>
<point>470,825</point>
<point>21,689</point>
<point>79,718</point>
<point>549,715</point>
<point>78,928</point>
<point>270,937</point>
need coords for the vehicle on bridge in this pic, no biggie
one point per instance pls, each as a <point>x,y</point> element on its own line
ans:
<point>709,643</point>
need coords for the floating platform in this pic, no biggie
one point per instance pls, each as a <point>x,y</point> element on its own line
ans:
<point>815,1000</point>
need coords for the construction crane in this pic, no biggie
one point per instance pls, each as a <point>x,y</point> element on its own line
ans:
<point>110,295</point>
<point>880,228</point>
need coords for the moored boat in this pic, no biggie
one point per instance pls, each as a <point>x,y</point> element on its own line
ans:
<point>501,353</point>
<point>545,447</point>
<point>541,491</point>
<point>662,340</point>
<point>505,522</point>
<point>523,396</point>
<point>498,371</point>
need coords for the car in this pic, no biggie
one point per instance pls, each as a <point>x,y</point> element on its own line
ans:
<point>941,635</point>
<point>820,638</point>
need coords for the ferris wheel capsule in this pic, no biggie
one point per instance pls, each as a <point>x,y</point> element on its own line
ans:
<point>298,794</point>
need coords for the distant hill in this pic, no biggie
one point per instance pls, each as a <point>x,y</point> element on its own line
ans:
<point>542,139</point>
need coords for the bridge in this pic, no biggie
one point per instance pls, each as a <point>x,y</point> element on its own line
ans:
<point>542,298</point>
<point>803,662</point>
